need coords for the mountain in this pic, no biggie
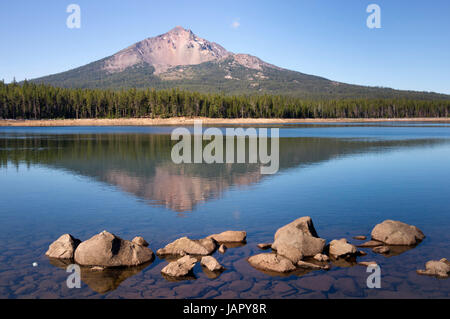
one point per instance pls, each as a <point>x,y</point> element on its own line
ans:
<point>180,59</point>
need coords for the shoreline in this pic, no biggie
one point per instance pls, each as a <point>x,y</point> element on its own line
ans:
<point>206,121</point>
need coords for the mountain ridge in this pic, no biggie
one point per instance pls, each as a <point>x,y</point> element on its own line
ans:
<point>181,59</point>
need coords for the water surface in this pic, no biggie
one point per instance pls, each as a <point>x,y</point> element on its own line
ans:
<point>347,177</point>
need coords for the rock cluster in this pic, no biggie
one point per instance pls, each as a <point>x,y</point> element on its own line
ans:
<point>104,250</point>
<point>296,247</point>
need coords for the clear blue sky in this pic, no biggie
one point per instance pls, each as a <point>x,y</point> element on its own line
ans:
<point>321,37</point>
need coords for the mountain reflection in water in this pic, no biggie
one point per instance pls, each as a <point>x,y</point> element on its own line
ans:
<point>140,164</point>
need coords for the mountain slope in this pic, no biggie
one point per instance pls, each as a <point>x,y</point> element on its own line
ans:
<point>180,59</point>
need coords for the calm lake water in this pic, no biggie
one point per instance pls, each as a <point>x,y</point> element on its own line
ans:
<point>347,177</point>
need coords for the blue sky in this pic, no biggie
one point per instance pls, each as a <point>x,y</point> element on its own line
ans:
<point>328,38</point>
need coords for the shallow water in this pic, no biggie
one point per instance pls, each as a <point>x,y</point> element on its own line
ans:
<point>347,177</point>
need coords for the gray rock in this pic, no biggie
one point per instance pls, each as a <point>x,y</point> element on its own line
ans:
<point>298,239</point>
<point>140,241</point>
<point>211,263</point>
<point>271,262</point>
<point>108,250</point>
<point>397,233</point>
<point>63,248</point>
<point>186,246</point>
<point>341,248</point>
<point>179,268</point>
<point>438,268</point>
<point>230,237</point>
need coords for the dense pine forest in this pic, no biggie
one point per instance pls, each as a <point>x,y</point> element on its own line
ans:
<point>37,101</point>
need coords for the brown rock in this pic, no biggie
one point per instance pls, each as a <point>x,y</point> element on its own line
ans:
<point>298,238</point>
<point>271,262</point>
<point>397,233</point>
<point>222,249</point>
<point>211,263</point>
<point>341,248</point>
<point>367,263</point>
<point>371,243</point>
<point>321,257</point>
<point>63,248</point>
<point>438,268</point>
<point>264,246</point>
<point>186,246</point>
<point>306,265</point>
<point>140,241</point>
<point>381,250</point>
<point>179,268</point>
<point>230,237</point>
<point>107,250</point>
<point>360,237</point>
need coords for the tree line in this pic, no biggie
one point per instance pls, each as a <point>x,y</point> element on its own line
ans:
<point>38,101</point>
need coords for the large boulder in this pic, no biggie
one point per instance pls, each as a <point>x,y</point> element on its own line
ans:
<point>186,246</point>
<point>439,268</point>
<point>230,236</point>
<point>271,262</point>
<point>63,248</point>
<point>394,233</point>
<point>179,268</point>
<point>341,248</point>
<point>298,239</point>
<point>108,250</point>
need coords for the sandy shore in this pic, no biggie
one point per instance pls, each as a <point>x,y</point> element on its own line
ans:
<point>190,121</point>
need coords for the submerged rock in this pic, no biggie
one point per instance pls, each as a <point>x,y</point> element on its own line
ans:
<point>180,268</point>
<point>438,268</point>
<point>360,237</point>
<point>185,246</point>
<point>230,236</point>
<point>63,248</point>
<point>306,265</point>
<point>367,263</point>
<point>211,263</point>
<point>271,262</point>
<point>341,248</point>
<point>298,239</point>
<point>108,250</point>
<point>397,233</point>
<point>371,243</point>
<point>381,250</point>
<point>140,241</point>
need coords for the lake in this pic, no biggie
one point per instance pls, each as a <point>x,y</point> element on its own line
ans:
<point>347,177</point>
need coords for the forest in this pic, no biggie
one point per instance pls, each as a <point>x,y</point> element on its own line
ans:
<point>39,101</point>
